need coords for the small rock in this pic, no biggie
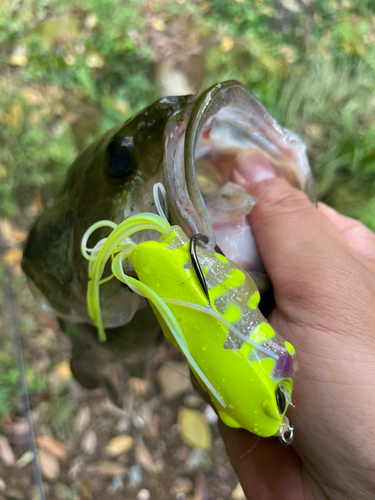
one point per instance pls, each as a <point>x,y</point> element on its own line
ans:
<point>139,386</point>
<point>238,493</point>
<point>143,494</point>
<point>210,415</point>
<point>194,428</point>
<point>53,447</point>
<point>193,400</point>
<point>89,442</point>
<point>6,452</point>
<point>116,485</point>
<point>2,485</point>
<point>82,419</point>
<point>123,425</point>
<point>181,485</point>
<point>119,444</point>
<point>174,378</point>
<point>135,475</point>
<point>138,422</point>
<point>25,459</point>
<point>198,460</point>
<point>49,465</point>
<point>180,496</point>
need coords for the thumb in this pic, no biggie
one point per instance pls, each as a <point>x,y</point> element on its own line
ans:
<point>297,243</point>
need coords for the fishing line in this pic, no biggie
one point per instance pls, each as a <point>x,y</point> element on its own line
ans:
<point>22,380</point>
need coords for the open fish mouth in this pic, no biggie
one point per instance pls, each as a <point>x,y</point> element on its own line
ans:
<point>202,152</point>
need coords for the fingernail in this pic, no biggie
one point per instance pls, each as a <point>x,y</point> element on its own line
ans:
<point>254,167</point>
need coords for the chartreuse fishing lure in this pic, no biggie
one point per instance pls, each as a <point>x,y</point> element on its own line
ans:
<point>207,307</point>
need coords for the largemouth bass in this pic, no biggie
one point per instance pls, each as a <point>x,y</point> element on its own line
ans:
<point>190,144</point>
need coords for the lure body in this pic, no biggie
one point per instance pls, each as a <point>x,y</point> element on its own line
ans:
<point>246,378</point>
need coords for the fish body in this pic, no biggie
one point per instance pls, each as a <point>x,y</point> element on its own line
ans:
<point>191,144</point>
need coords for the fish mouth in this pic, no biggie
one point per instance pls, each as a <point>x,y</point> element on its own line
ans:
<point>204,148</point>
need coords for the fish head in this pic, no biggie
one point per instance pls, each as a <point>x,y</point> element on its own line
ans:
<point>191,144</point>
<point>110,180</point>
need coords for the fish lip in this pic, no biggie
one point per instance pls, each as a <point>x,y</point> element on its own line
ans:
<point>188,208</point>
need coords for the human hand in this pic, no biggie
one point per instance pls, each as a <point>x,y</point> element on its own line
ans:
<point>322,267</point>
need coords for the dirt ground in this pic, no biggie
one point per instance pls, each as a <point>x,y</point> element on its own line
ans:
<point>167,443</point>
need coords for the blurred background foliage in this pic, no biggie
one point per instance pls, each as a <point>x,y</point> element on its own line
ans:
<point>71,69</point>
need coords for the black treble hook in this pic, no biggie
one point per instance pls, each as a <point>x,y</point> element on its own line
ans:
<point>195,261</point>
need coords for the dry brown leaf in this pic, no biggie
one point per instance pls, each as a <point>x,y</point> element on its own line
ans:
<point>18,57</point>
<point>62,370</point>
<point>226,44</point>
<point>194,429</point>
<point>82,419</point>
<point>95,60</point>
<point>119,444</point>
<point>13,256</point>
<point>11,234</point>
<point>49,465</point>
<point>89,442</point>
<point>107,469</point>
<point>144,457</point>
<point>139,386</point>
<point>54,447</point>
<point>6,452</point>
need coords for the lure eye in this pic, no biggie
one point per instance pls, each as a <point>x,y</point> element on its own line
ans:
<point>280,399</point>
<point>120,157</point>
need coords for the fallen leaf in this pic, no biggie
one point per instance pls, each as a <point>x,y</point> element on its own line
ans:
<point>25,459</point>
<point>82,419</point>
<point>15,115</point>
<point>54,447</point>
<point>63,371</point>
<point>6,452</point>
<point>13,256</point>
<point>3,172</point>
<point>238,493</point>
<point>158,24</point>
<point>95,60</point>
<point>49,465</point>
<point>119,444</point>
<point>139,386</point>
<point>226,44</point>
<point>174,378</point>
<point>18,57</point>
<point>194,428</point>
<point>107,469</point>
<point>123,107</point>
<point>143,456</point>
<point>89,442</point>
<point>90,21</point>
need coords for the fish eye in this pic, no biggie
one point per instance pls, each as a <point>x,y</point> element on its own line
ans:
<point>120,157</point>
<point>280,399</point>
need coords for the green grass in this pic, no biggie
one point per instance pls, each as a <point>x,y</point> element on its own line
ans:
<point>313,69</point>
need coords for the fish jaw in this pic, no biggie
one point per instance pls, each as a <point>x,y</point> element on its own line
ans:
<point>226,124</point>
